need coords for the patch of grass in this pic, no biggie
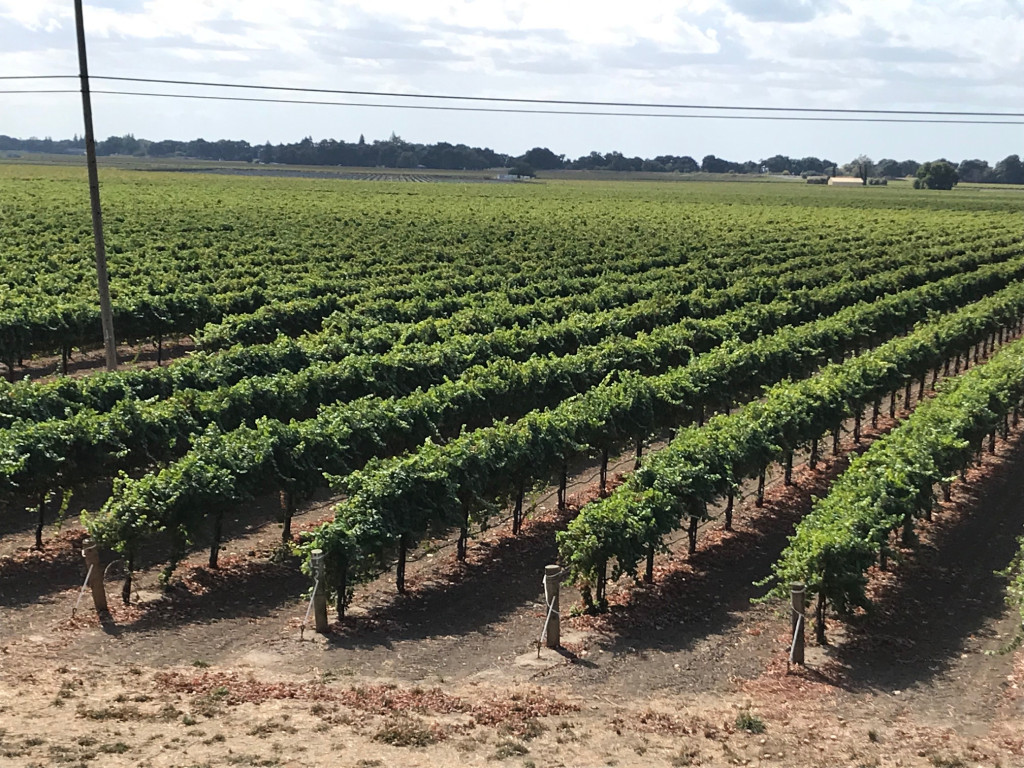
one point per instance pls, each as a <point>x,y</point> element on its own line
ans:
<point>35,741</point>
<point>114,748</point>
<point>749,722</point>
<point>187,719</point>
<point>201,664</point>
<point>170,712</point>
<point>941,761</point>
<point>217,738</point>
<point>525,729</point>
<point>686,756</point>
<point>508,748</point>
<point>873,736</point>
<point>61,754</point>
<point>123,712</point>
<point>405,732</point>
<point>67,690</point>
<point>255,760</point>
<point>371,763</point>
<point>265,729</point>
<point>206,706</point>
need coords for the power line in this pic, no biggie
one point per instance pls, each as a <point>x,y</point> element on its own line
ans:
<point>521,111</point>
<point>38,77</point>
<point>553,102</point>
<point>36,90</point>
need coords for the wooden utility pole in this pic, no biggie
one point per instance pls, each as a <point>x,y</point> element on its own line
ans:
<point>103,281</point>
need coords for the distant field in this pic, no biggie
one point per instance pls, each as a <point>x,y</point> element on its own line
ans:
<point>191,248</point>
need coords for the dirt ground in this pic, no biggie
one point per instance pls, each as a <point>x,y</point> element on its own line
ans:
<point>88,360</point>
<point>687,671</point>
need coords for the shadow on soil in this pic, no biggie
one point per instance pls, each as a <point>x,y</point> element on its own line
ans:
<point>500,578</point>
<point>707,593</point>
<point>946,594</point>
<point>28,578</point>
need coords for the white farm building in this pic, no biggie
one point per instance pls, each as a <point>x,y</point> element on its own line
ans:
<point>845,181</point>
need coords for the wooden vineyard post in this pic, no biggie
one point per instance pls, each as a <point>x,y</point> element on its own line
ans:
<point>552,584</point>
<point>798,594</point>
<point>563,487</point>
<point>92,560</point>
<point>517,510</point>
<point>316,560</point>
<point>102,275</point>
<point>819,624</point>
<point>604,473</point>
<point>691,535</point>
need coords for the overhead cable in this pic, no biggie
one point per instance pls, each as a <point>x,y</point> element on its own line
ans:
<point>516,100</point>
<point>521,111</point>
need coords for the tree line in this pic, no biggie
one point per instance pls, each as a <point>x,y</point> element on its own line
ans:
<point>395,152</point>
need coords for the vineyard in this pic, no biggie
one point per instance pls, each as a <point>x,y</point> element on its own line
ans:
<point>663,387</point>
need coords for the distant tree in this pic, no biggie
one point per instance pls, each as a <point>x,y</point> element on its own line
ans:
<point>778,164</point>
<point>522,168</point>
<point>861,167</point>
<point>165,148</point>
<point>406,159</point>
<point>974,170</point>
<point>115,145</point>
<point>809,166</point>
<point>712,164</point>
<point>686,164</point>
<point>909,167</point>
<point>616,161</point>
<point>543,159</point>
<point>887,168</point>
<point>940,174</point>
<point>1009,170</point>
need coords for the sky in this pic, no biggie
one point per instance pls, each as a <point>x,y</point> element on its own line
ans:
<point>960,55</point>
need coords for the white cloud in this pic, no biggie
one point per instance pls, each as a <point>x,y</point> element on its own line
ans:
<point>872,53</point>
